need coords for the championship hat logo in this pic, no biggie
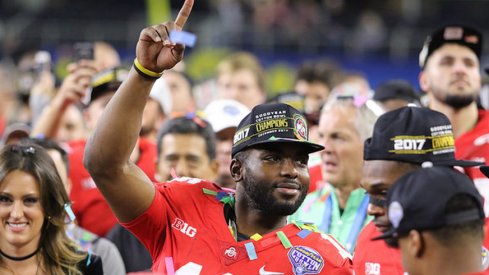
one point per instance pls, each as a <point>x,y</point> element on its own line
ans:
<point>416,135</point>
<point>273,123</point>
<point>300,127</point>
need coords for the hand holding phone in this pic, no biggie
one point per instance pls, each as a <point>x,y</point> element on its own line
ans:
<point>84,50</point>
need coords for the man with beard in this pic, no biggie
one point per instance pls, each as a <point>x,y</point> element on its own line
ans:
<point>192,226</point>
<point>402,140</point>
<point>450,76</point>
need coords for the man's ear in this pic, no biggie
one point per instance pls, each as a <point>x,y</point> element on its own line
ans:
<point>416,245</point>
<point>236,169</point>
<point>423,81</point>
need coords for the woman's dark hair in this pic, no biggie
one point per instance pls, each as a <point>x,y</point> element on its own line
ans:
<point>190,124</point>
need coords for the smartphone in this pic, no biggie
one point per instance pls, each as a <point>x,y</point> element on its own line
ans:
<point>83,50</point>
<point>42,61</point>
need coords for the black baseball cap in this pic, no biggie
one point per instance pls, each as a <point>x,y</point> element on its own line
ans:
<point>271,123</point>
<point>485,170</point>
<point>458,34</point>
<point>415,135</point>
<point>418,200</point>
<point>396,89</point>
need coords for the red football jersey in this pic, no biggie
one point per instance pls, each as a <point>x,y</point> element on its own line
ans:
<point>474,145</point>
<point>186,233</point>
<point>375,257</point>
<point>91,209</point>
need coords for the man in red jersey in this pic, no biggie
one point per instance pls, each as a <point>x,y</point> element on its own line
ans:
<point>192,226</point>
<point>450,77</point>
<point>402,139</point>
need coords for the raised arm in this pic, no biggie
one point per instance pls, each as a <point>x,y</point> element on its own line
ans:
<point>72,91</point>
<point>126,188</point>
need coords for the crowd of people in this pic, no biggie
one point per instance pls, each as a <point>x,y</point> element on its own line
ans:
<point>115,170</point>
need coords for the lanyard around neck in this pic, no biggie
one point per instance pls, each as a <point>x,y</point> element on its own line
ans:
<point>357,225</point>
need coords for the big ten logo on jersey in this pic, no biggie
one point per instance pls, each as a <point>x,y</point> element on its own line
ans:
<point>409,144</point>
<point>372,269</point>
<point>184,227</point>
<point>241,134</point>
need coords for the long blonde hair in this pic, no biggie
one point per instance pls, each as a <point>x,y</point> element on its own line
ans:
<point>59,254</point>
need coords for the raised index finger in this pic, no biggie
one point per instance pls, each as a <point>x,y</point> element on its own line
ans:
<point>183,14</point>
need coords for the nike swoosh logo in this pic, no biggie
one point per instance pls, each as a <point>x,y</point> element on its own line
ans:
<point>264,272</point>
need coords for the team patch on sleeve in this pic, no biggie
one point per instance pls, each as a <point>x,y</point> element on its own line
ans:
<point>305,260</point>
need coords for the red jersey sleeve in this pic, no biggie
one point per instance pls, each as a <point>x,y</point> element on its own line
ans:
<point>175,198</point>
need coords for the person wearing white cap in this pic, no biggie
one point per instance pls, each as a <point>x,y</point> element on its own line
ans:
<point>174,92</point>
<point>156,111</point>
<point>224,116</point>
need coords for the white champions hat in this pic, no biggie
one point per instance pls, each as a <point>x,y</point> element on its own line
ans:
<point>161,93</point>
<point>225,113</point>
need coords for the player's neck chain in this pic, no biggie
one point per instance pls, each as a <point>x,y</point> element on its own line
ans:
<point>13,258</point>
